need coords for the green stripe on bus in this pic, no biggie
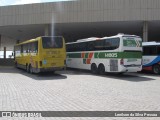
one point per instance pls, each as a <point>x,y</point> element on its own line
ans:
<point>74,55</point>
<point>131,54</point>
<point>118,55</point>
<point>108,55</point>
<point>86,55</point>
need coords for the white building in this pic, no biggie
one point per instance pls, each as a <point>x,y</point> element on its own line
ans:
<point>79,19</point>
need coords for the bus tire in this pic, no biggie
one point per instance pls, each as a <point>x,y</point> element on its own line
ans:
<point>156,69</point>
<point>94,68</point>
<point>101,69</point>
<point>30,69</point>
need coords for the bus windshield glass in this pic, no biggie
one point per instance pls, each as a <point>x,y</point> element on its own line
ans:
<point>132,42</point>
<point>52,42</point>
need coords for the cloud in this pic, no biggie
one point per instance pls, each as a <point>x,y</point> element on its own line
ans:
<point>17,2</point>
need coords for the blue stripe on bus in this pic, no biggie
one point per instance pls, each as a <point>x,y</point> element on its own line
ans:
<point>156,60</point>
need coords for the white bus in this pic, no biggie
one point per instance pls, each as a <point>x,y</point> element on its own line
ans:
<point>117,54</point>
<point>151,57</point>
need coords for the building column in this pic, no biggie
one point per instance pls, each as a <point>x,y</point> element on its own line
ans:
<point>4,53</point>
<point>0,42</point>
<point>46,30</point>
<point>145,31</point>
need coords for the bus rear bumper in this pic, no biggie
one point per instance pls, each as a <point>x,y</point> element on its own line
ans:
<point>48,69</point>
<point>131,69</point>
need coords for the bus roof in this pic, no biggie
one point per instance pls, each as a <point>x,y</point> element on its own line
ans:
<point>96,38</point>
<point>33,40</point>
<point>88,39</point>
<point>85,40</point>
<point>122,35</point>
<point>150,43</point>
<point>27,41</point>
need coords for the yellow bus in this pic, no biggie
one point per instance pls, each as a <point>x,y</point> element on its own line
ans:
<point>41,54</point>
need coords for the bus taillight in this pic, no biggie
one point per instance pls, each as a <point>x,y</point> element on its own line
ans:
<point>122,61</point>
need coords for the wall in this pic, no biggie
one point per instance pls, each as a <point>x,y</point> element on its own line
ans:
<point>80,11</point>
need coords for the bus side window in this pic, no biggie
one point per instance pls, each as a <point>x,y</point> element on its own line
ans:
<point>112,44</point>
<point>68,47</point>
<point>90,46</point>
<point>25,48</point>
<point>107,44</point>
<point>158,50</point>
<point>153,50</point>
<point>36,47</point>
<point>74,47</point>
<point>21,48</point>
<point>99,45</point>
<point>145,51</point>
<point>29,47</point>
<point>82,46</point>
<point>115,43</point>
<point>150,50</point>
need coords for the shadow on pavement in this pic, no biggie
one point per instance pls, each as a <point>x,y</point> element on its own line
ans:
<point>133,77</point>
<point>45,76</point>
<point>148,73</point>
<point>60,75</point>
<point>40,76</point>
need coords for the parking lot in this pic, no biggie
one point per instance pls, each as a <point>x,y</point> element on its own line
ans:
<point>74,90</point>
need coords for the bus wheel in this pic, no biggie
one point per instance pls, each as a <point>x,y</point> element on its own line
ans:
<point>101,69</point>
<point>156,69</point>
<point>30,69</point>
<point>94,68</point>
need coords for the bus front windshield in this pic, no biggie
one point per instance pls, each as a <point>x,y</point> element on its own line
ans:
<point>52,42</point>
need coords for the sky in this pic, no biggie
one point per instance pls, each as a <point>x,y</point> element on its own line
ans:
<point>18,2</point>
